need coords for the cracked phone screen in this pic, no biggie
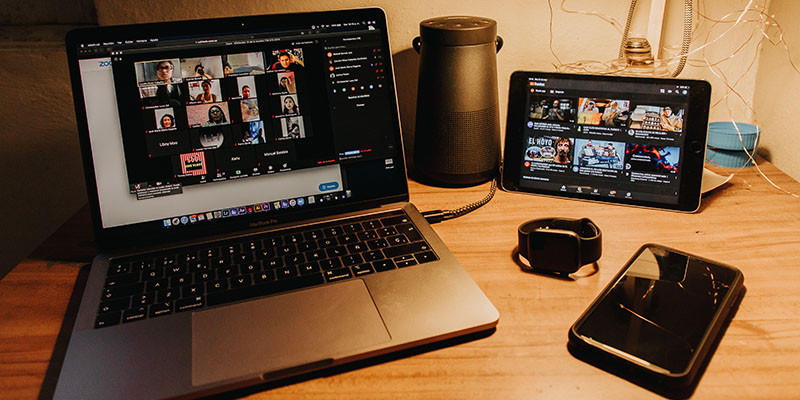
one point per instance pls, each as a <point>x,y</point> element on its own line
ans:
<point>660,308</point>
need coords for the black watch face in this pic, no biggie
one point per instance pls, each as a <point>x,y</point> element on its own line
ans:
<point>554,250</point>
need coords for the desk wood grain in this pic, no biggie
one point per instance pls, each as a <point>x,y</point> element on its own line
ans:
<point>746,223</point>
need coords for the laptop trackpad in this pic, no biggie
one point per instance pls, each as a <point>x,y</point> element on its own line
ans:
<point>285,331</point>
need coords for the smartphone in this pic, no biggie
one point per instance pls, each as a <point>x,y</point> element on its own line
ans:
<point>657,321</point>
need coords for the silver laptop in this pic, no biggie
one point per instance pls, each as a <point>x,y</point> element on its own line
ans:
<point>249,199</point>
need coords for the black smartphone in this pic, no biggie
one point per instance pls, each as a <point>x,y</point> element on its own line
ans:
<point>657,321</point>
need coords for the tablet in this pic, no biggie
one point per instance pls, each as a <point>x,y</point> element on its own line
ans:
<point>624,140</point>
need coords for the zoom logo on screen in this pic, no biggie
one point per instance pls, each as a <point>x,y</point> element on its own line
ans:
<point>104,63</point>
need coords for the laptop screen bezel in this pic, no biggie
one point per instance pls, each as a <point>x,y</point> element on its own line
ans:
<point>148,233</point>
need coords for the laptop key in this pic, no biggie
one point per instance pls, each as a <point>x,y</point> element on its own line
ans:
<point>352,259</point>
<point>367,235</point>
<point>362,269</point>
<point>159,309</point>
<point>122,280</point>
<point>134,314</point>
<point>308,268</point>
<point>155,273</point>
<point>273,263</point>
<point>375,224</point>
<point>313,235</point>
<point>383,265</point>
<point>337,251</point>
<point>286,272</point>
<point>337,274</point>
<point>397,240</point>
<point>373,255</point>
<point>118,268</point>
<point>385,232</point>
<point>189,303</point>
<point>192,290</point>
<point>391,221</point>
<point>167,295</point>
<point>427,256</point>
<point>107,319</point>
<point>250,268</point>
<point>157,284</point>
<point>143,299</point>
<point>174,270</point>
<point>356,248</point>
<point>377,244</point>
<point>262,277</point>
<point>330,263</point>
<point>217,286</point>
<point>115,304</point>
<point>180,280</point>
<point>406,249</point>
<point>354,227</point>
<point>241,281</point>
<point>264,289</point>
<point>406,263</point>
<point>122,291</point>
<point>306,246</point>
<point>410,231</point>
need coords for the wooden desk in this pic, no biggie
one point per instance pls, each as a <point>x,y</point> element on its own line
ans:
<point>746,223</point>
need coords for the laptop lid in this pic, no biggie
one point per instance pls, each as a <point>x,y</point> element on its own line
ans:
<point>191,129</point>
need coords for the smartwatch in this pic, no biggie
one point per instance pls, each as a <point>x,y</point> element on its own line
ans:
<point>560,245</point>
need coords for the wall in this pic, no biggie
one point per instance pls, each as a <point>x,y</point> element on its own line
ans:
<point>777,87</point>
<point>40,169</point>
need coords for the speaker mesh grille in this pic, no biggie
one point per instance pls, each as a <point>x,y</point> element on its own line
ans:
<point>461,143</point>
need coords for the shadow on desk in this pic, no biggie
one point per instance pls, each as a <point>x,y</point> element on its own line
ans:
<point>354,365</point>
<point>64,334</point>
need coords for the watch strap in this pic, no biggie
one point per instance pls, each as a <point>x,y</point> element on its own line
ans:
<point>591,247</point>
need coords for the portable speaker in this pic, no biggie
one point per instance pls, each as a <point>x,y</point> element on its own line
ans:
<point>457,137</point>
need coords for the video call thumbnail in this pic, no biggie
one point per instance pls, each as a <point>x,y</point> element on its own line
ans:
<point>206,91</point>
<point>193,164</point>
<point>243,64</point>
<point>203,115</point>
<point>208,138</point>
<point>289,105</point>
<point>550,149</point>
<point>552,109</point>
<point>249,110</point>
<point>155,95</point>
<point>606,112</point>
<point>165,118</point>
<point>657,118</point>
<point>246,87</point>
<point>658,159</point>
<point>253,133</point>
<point>159,72</point>
<point>287,59</point>
<point>202,68</point>
<point>292,128</point>
<point>286,82</point>
<point>599,153</point>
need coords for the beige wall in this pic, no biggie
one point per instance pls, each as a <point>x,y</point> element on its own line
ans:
<point>777,88</point>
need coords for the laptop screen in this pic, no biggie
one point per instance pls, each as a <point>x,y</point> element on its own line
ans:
<point>198,125</point>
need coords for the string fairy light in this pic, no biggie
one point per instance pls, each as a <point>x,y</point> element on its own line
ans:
<point>753,15</point>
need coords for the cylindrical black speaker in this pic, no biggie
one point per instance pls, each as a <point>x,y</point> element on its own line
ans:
<point>457,137</point>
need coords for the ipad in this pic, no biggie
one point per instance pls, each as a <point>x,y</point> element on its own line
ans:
<point>625,140</point>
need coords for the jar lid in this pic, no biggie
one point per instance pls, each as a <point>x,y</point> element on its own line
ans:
<point>458,30</point>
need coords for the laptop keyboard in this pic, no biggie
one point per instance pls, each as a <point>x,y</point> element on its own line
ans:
<point>213,274</point>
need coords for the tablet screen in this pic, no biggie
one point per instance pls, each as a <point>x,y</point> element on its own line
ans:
<point>636,141</point>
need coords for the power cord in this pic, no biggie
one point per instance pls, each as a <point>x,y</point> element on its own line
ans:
<point>434,216</point>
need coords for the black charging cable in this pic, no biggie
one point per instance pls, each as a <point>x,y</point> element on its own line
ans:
<point>434,216</point>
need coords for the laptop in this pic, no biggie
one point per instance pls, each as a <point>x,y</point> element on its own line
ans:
<point>250,205</point>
